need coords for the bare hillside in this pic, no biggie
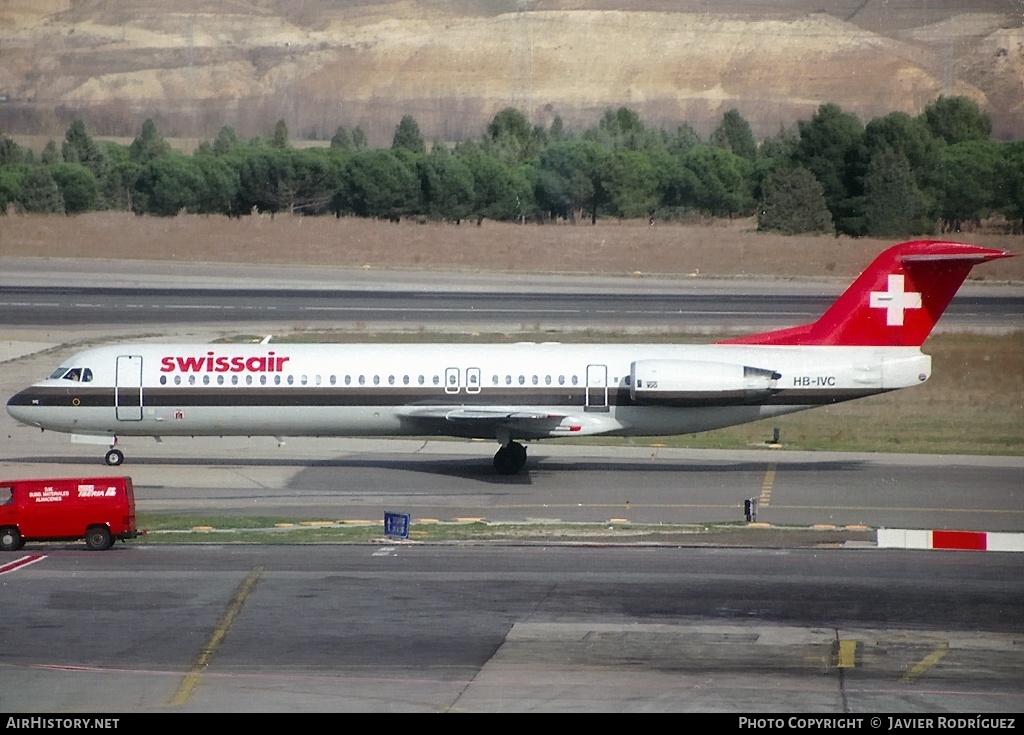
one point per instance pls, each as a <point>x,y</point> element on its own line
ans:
<point>195,66</point>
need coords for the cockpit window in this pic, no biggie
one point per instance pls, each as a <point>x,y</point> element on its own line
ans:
<point>83,375</point>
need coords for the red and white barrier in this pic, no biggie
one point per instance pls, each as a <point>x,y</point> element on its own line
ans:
<point>901,538</point>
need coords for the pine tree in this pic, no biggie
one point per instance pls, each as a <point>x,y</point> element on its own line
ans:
<point>734,134</point>
<point>281,135</point>
<point>794,203</point>
<point>407,136</point>
<point>40,193</point>
<point>341,140</point>
<point>957,120</point>
<point>893,205</point>
<point>148,145</point>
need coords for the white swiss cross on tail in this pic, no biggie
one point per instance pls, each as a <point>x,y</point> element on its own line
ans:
<point>895,301</point>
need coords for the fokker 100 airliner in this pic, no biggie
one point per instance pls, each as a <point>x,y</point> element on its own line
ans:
<point>867,342</point>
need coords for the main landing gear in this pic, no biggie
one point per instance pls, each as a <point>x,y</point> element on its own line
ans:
<point>510,458</point>
<point>114,458</point>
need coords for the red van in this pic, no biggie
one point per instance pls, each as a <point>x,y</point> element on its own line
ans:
<point>99,509</point>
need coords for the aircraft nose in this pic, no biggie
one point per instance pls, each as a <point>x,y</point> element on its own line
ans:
<point>20,407</point>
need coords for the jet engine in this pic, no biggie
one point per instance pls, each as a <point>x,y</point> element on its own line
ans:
<point>698,383</point>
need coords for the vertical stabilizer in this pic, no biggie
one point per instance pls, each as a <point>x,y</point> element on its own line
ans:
<point>895,302</point>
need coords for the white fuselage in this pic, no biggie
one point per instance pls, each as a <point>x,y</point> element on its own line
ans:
<point>525,391</point>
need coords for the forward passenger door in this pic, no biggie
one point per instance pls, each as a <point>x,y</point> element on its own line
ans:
<point>128,388</point>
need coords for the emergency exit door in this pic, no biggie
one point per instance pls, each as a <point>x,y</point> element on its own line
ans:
<point>597,388</point>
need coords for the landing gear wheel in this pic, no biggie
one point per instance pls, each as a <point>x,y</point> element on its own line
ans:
<point>10,539</point>
<point>114,458</point>
<point>98,538</point>
<point>510,459</point>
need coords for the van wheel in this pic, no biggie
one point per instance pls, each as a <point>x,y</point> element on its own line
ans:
<point>10,539</point>
<point>98,538</point>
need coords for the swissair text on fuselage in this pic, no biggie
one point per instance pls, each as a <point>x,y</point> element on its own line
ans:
<point>214,363</point>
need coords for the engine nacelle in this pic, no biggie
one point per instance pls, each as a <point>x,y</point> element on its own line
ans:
<point>698,383</point>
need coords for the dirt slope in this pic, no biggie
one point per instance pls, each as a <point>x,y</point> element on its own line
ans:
<point>195,66</point>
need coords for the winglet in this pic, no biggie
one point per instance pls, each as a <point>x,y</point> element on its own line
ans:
<point>895,302</point>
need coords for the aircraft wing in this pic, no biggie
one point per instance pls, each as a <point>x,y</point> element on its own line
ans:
<point>490,421</point>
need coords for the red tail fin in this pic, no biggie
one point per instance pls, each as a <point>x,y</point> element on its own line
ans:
<point>895,302</point>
